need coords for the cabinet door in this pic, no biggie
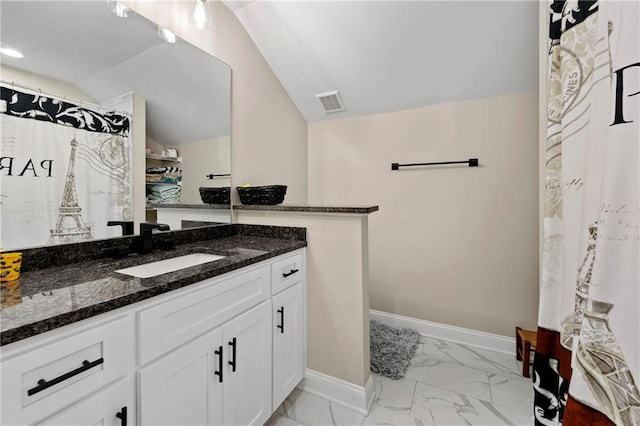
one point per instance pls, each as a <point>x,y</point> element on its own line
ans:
<point>247,380</point>
<point>114,406</point>
<point>288,342</point>
<point>182,387</point>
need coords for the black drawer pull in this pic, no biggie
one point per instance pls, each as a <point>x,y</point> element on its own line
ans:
<point>219,372</point>
<point>122,415</point>
<point>44,384</point>
<point>281,325</point>
<point>291,272</point>
<point>233,354</point>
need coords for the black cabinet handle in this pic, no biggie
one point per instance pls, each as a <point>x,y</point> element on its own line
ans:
<point>122,415</point>
<point>291,272</point>
<point>44,384</point>
<point>219,372</point>
<point>281,325</point>
<point>233,354</point>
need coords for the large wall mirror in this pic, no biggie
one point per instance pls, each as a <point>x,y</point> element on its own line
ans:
<point>92,89</point>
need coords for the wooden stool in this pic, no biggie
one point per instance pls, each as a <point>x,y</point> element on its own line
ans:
<point>525,342</point>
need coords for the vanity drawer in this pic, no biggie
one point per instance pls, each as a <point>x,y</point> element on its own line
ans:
<point>113,406</point>
<point>286,272</point>
<point>179,319</point>
<point>52,376</point>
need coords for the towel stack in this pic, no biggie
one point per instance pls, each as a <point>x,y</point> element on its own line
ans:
<point>163,194</point>
<point>164,174</point>
<point>163,185</point>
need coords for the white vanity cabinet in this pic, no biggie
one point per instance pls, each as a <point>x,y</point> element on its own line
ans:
<point>244,366</point>
<point>288,342</point>
<point>68,367</point>
<point>220,378</point>
<point>229,365</point>
<point>180,316</point>
<point>224,351</point>
<point>246,385</point>
<point>182,388</point>
<point>288,304</point>
<point>114,406</point>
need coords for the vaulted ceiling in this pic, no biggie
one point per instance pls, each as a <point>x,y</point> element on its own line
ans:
<point>392,55</point>
<point>380,55</point>
<point>84,44</point>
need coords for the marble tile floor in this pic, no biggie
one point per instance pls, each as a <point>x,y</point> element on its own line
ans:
<point>446,384</point>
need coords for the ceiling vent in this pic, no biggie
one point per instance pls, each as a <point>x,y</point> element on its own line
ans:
<point>331,102</point>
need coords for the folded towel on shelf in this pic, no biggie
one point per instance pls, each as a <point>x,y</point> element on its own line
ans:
<point>167,178</point>
<point>160,170</point>
<point>163,193</point>
<point>164,189</point>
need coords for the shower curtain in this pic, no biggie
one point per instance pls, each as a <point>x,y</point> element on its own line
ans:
<point>65,170</point>
<point>587,361</point>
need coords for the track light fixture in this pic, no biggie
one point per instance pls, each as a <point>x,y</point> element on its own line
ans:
<point>120,9</point>
<point>166,35</point>
<point>200,14</point>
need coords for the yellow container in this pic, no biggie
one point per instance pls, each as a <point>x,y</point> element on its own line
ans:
<point>10,266</point>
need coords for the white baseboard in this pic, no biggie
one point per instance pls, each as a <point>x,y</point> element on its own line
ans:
<point>369,390</point>
<point>466,336</point>
<point>360,398</point>
<point>353,397</point>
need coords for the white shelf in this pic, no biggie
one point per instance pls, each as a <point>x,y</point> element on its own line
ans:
<point>164,183</point>
<point>163,158</point>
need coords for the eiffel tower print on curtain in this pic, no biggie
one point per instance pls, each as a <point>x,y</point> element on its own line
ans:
<point>70,226</point>
<point>72,168</point>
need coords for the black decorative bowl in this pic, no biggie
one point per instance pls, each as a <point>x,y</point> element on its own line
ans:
<point>219,195</point>
<point>262,195</point>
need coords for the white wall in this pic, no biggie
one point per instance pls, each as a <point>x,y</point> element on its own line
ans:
<point>337,289</point>
<point>454,245</point>
<point>139,160</point>
<point>200,158</point>
<point>269,135</point>
<point>48,85</point>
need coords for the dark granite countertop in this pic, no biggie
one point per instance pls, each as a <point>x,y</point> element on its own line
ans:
<point>309,208</point>
<point>50,295</point>
<point>190,206</point>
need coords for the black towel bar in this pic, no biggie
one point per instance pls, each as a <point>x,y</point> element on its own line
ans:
<point>473,162</point>
<point>212,176</point>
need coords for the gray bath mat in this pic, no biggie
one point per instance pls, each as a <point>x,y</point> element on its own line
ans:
<point>392,349</point>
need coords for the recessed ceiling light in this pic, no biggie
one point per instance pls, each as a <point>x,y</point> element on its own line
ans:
<point>11,52</point>
<point>166,35</point>
<point>120,9</point>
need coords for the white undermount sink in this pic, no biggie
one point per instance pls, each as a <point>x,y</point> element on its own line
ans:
<point>160,267</point>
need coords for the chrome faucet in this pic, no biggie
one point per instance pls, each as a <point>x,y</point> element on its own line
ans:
<point>145,239</point>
